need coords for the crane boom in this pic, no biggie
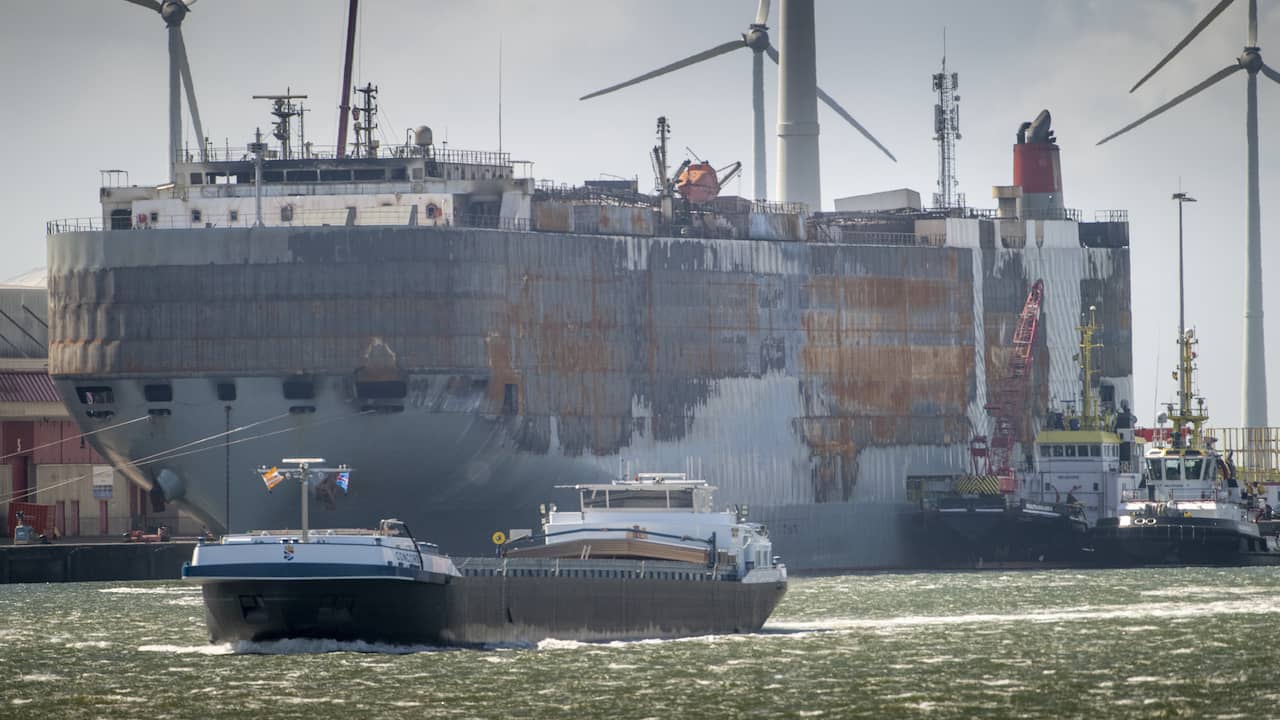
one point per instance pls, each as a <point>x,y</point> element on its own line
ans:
<point>1007,403</point>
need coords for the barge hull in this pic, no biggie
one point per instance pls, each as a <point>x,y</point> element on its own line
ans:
<point>486,610</point>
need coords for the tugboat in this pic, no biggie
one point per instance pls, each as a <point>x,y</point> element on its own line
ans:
<point>1191,508</point>
<point>646,557</point>
<point>1041,515</point>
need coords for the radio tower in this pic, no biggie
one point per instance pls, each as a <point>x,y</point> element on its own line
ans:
<point>946,128</point>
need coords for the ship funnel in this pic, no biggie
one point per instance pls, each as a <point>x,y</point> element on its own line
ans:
<point>1037,169</point>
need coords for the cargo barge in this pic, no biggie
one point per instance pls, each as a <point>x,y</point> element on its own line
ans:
<point>642,558</point>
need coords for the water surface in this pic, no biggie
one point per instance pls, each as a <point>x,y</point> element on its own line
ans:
<point>1192,642</point>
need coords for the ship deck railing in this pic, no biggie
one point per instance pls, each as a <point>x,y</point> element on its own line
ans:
<point>460,156</point>
<point>1171,495</point>
<point>394,216</point>
<point>598,569</point>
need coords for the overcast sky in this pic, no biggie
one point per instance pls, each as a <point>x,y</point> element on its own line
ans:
<point>85,83</point>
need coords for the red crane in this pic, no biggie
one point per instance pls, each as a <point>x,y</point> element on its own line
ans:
<point>1007,400</point>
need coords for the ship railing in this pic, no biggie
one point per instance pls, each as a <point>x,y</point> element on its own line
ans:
<point>1254,450</point>
<point>845,236</point>
<point>1170,495</point>
<point>391,216</point>
<point>779,207</point>
<point>1050,214</point>
<point>1111,216</point>
<point>963,211</point>
<point>533,539</point>
<point>596,569</point>
<point>64,225</point>
<point>239,153</point>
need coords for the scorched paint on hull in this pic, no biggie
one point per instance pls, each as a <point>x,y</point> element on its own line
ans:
<point>471,369</point>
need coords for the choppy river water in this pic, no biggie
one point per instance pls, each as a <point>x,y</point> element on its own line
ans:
<point>1191,642</point>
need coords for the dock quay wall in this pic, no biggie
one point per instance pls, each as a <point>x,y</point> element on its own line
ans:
<point>93,562</point>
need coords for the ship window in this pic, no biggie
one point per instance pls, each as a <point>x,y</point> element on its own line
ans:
<point>95,395</point>
<point>393,389</point>
<point>1082,450</point>
<point>233,216</point>
<point>272,176</point>
<point>197,178</point>
<point>1193,468</point>
<point>155,216</point>
<point>286,213</point>
<point>301,176</point>
<point>1095,451</point>
<point>510,399</point>
<point>365,174</point>
<point>1070,450</point>
<point>195,215</point>
<point>299,389</point>
<point>399,173</point>
<point>1044,451</point>
<point>1057,451</point>
<point>226,391</point>
<point>335,175</point>
<point>159,392</point>
<point>121,219</point>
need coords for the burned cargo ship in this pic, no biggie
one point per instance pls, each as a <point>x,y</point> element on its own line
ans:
<point>448,324</point>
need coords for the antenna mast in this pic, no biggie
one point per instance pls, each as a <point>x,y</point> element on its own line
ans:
<point>1089,417</point>
<point>366,146</point>
<point>946,128</point>
<point>284,109</point>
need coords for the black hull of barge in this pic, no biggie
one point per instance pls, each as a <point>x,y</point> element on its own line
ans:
<point>1179,541</point>
<point>486,610</point>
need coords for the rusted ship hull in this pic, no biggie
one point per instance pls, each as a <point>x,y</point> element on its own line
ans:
<point>472,370</point>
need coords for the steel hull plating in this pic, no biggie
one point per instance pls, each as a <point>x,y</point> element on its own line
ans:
<point>1008,536</point>
<point>492,610</point>
<point>808,381</point>
<point>1180,541</point>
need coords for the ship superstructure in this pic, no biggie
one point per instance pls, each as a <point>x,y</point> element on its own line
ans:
<point>447,323</point>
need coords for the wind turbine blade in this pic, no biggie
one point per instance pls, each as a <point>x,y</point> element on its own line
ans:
<point>185,69</point>
<point>148,4</point>
<point>691,60</point>
<point>1253,23</point>
<point>831,103</point>
<point>1212,79</point>
<point>1215,12</point>
<point>1271,73</point>
<point>762,13</point>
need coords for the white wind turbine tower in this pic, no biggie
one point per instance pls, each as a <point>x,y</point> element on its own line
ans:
<point>174,12</point>
<point>755,39</point>
<point>1254,373</point>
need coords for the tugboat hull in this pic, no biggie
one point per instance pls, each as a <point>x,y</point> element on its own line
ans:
<point>977,534</point>
<point>1179,541</point>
